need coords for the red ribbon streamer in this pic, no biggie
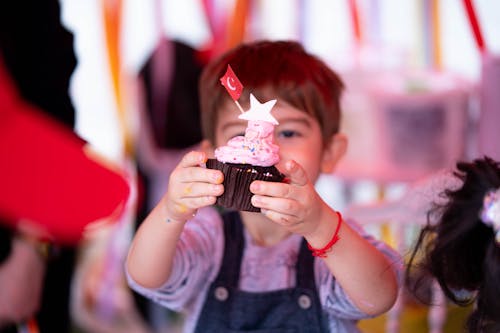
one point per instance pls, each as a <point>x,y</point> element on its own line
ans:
<point>474,23</point>
<point>356,26</point>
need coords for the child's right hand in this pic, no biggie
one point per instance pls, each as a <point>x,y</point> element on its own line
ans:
<point>192,186</point>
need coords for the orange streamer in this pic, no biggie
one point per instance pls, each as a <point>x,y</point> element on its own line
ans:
<point>112,10</point>
<point>436,36</point>
<point>237,24</point>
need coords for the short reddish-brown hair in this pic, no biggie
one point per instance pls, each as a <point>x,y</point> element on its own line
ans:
<point>280,70</point>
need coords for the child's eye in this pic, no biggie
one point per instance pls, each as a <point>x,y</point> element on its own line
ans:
<point>288,134</point>
<point>237,134</point>
<point>230,136</point>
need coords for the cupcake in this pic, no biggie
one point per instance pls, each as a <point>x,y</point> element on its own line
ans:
<point>247,158</point>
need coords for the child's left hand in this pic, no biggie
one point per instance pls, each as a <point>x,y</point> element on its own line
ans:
<point>296,205</point>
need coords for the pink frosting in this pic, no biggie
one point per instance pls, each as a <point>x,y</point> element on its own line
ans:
<point>256,147</point>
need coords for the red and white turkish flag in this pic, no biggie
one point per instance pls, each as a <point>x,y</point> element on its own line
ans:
<point>232,84</point>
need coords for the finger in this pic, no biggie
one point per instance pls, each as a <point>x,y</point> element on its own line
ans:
<point>281,219</point>
<point>183,209</point>
<point>193,158</point>
<point>288,207</point>
<point>189,174</point>
<point>271,189</point>
<point>197,174</point>
<point>193,190</point>
<point>191,204</point>
<point>296,174</point>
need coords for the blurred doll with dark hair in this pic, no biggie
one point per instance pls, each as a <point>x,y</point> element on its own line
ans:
<point>462,249</point>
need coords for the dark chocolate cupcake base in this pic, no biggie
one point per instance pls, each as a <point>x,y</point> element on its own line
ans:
<point>237,180</point>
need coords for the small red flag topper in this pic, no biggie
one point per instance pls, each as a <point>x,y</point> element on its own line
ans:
<point>231,83</point>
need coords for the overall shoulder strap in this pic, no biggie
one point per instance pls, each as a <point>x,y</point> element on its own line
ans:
<point>234,242</point>
<point>305,268</point>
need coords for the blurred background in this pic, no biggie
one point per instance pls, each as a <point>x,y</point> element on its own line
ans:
<point>421,79</point>
<point>374,37</point>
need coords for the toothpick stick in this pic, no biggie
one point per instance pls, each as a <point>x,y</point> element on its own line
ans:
<point>239,106</point>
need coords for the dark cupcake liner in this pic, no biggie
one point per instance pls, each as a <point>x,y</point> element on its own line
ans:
<point>237,180</point>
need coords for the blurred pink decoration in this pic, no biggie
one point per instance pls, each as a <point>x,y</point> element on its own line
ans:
<point>405,216</point>
<point>403,126</point>
<point>489,115</point>
<point>412,206</point>
<point>488,132</point>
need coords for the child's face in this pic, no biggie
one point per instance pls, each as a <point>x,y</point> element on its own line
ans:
<point>298,135</point>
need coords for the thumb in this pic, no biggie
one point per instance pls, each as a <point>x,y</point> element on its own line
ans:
<point>295,173</point>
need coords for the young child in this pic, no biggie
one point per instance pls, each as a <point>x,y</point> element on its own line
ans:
<point>248,271</point>
<point>462,248</point>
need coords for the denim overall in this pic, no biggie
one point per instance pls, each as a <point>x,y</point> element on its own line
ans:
<point>230,310</point>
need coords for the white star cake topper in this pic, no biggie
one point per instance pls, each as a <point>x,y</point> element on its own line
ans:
<point>259,111</point>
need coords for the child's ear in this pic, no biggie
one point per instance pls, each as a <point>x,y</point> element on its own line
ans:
<point>333,152</point>
<point>207,148</point>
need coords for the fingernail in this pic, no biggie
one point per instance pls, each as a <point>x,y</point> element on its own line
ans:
<point>216,188</point>
<point>254,187</point>
<point>217,177</point>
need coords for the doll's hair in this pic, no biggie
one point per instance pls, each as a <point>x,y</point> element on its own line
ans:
<point>269,70</point>
<point>459,250</point>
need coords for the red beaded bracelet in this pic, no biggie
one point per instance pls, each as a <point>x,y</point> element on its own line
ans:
<point>322,252</point>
